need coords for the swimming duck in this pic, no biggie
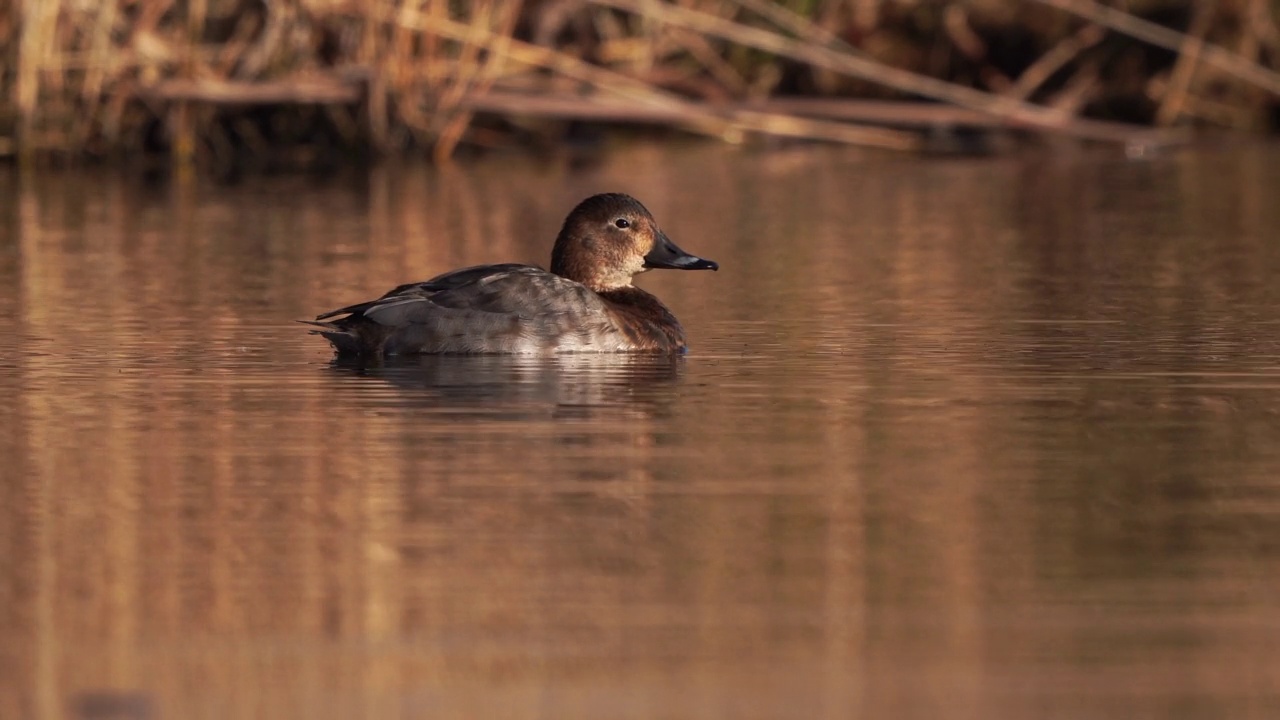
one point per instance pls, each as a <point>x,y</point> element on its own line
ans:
<point>586,303</point>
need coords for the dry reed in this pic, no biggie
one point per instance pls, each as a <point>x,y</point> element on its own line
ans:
<point>213,78</point>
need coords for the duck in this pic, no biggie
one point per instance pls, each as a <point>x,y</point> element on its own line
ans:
<point>585,303</point>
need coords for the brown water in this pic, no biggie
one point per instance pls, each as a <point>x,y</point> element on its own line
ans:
<point>964,438</point>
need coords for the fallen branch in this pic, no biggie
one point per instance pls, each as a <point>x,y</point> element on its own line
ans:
<point>897,113</point>
<point>1161,36</point>
<point>318,90</point>
<point>567,65</point>
<point>1015,112</point>
<point>1175,97</point>
<point>649,103</point>
<point>1054,60</point>
<point>754,117</point>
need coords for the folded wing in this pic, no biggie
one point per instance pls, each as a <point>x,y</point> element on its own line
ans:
<point>493,308</point>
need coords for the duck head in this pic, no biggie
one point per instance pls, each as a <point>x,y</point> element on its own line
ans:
<point>609,239</point>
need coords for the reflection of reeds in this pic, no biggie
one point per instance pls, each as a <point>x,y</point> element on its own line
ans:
<point>84,77</point>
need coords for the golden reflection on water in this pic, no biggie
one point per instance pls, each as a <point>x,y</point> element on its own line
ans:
<point>967,438</point>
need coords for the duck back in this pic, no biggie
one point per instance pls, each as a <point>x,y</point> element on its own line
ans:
<point>485,309</point>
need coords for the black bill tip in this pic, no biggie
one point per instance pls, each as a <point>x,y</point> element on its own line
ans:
<point>666,254</point>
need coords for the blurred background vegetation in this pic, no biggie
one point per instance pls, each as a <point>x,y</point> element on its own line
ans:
<point>231,83</point>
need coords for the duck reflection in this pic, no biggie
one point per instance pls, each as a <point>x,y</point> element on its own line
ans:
<point>519,387</point>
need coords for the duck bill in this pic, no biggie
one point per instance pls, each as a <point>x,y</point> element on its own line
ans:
<point>665,254</point>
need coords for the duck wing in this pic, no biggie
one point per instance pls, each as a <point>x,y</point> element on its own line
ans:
<point>493,308</point>
<point>427,288</point>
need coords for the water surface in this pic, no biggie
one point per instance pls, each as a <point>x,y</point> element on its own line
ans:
<point>964,438</point>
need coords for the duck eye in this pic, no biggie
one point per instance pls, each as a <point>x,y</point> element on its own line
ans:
<point>622,223</point>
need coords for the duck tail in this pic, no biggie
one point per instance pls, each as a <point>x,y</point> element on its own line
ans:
<point>344,341</point>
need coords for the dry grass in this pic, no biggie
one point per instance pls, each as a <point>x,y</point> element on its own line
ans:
<point>216,77</point>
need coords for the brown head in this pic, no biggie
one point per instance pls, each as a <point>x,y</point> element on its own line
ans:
<point>610,238</point>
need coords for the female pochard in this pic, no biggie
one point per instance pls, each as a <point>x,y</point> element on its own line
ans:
<point>586,303</point>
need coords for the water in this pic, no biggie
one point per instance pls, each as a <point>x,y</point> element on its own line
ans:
<point>964,438</point>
